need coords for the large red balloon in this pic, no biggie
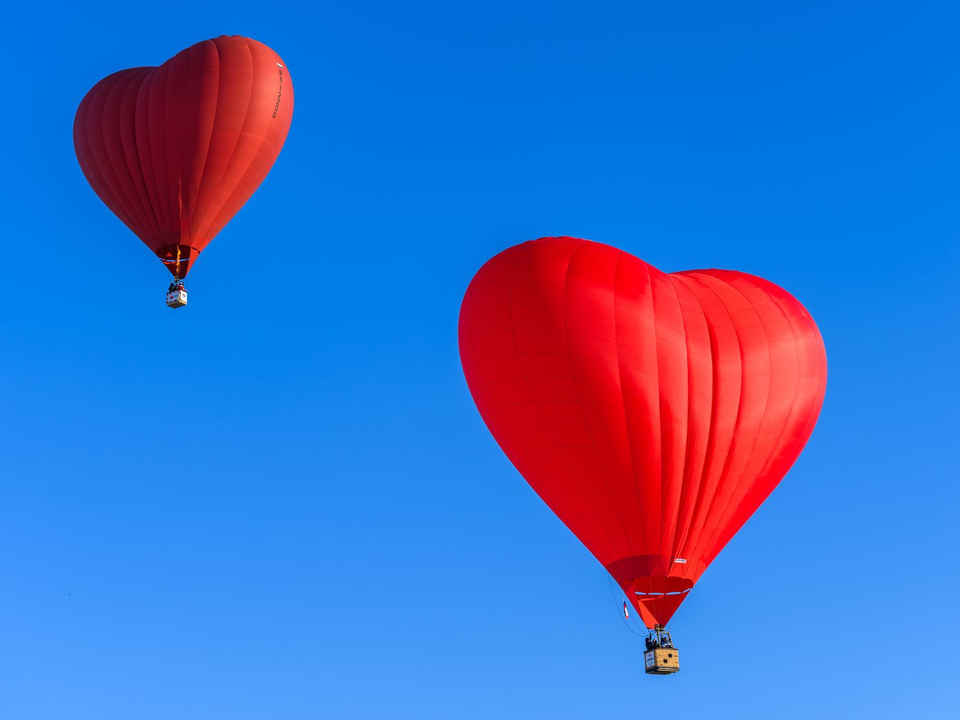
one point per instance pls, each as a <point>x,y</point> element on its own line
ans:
<point>653,413</point>
<point>176,150</point>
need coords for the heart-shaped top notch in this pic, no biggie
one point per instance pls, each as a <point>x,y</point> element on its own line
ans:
<point>653,413</point>
<point>176,150</point>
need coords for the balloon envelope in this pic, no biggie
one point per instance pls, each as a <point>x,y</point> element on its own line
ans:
<point>652,412</point>
<point>176,150</point>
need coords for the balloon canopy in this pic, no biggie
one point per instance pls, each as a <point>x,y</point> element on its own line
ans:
<point>652,412</point>
<point>176,150</point>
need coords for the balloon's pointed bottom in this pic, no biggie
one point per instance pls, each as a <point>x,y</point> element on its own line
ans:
<point>656,610</point>
<point>178,259</point>
<point>655,584</point>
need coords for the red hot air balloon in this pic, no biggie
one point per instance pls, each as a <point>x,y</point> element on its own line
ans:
<point>176,150</point>
<point>652,412</point>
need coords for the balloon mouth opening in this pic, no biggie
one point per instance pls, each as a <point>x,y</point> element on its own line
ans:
<point>656,608</point>
<point>177,259</point>
<point>655,585</point>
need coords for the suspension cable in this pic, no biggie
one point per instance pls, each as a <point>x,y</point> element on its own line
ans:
<point>613,594</point>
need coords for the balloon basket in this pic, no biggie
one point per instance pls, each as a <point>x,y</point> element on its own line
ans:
<point>661,661</point>
<point>177,298</point>
<point>661,657</point>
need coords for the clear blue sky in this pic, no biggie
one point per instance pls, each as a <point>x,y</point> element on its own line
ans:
<point>281,501</point>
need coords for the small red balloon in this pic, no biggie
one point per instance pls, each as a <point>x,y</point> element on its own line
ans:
<point>652,412</point>
<point>176,150</point>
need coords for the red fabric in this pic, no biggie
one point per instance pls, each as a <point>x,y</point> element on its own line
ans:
<point>176,150</point>
<point>653,413</point>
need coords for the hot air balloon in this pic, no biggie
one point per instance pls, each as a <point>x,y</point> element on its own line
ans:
<point>652,412</point>
<point>175,151</point>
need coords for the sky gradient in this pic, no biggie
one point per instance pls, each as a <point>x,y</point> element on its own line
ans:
<point>281,502</point>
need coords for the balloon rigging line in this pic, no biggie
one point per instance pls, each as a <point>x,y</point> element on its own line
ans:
<point>613,594</point>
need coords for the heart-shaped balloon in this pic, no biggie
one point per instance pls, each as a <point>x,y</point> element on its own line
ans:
<point>652,412</point>
<point>176,150</point>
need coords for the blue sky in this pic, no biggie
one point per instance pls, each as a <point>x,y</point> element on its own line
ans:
<point>281,501</point>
